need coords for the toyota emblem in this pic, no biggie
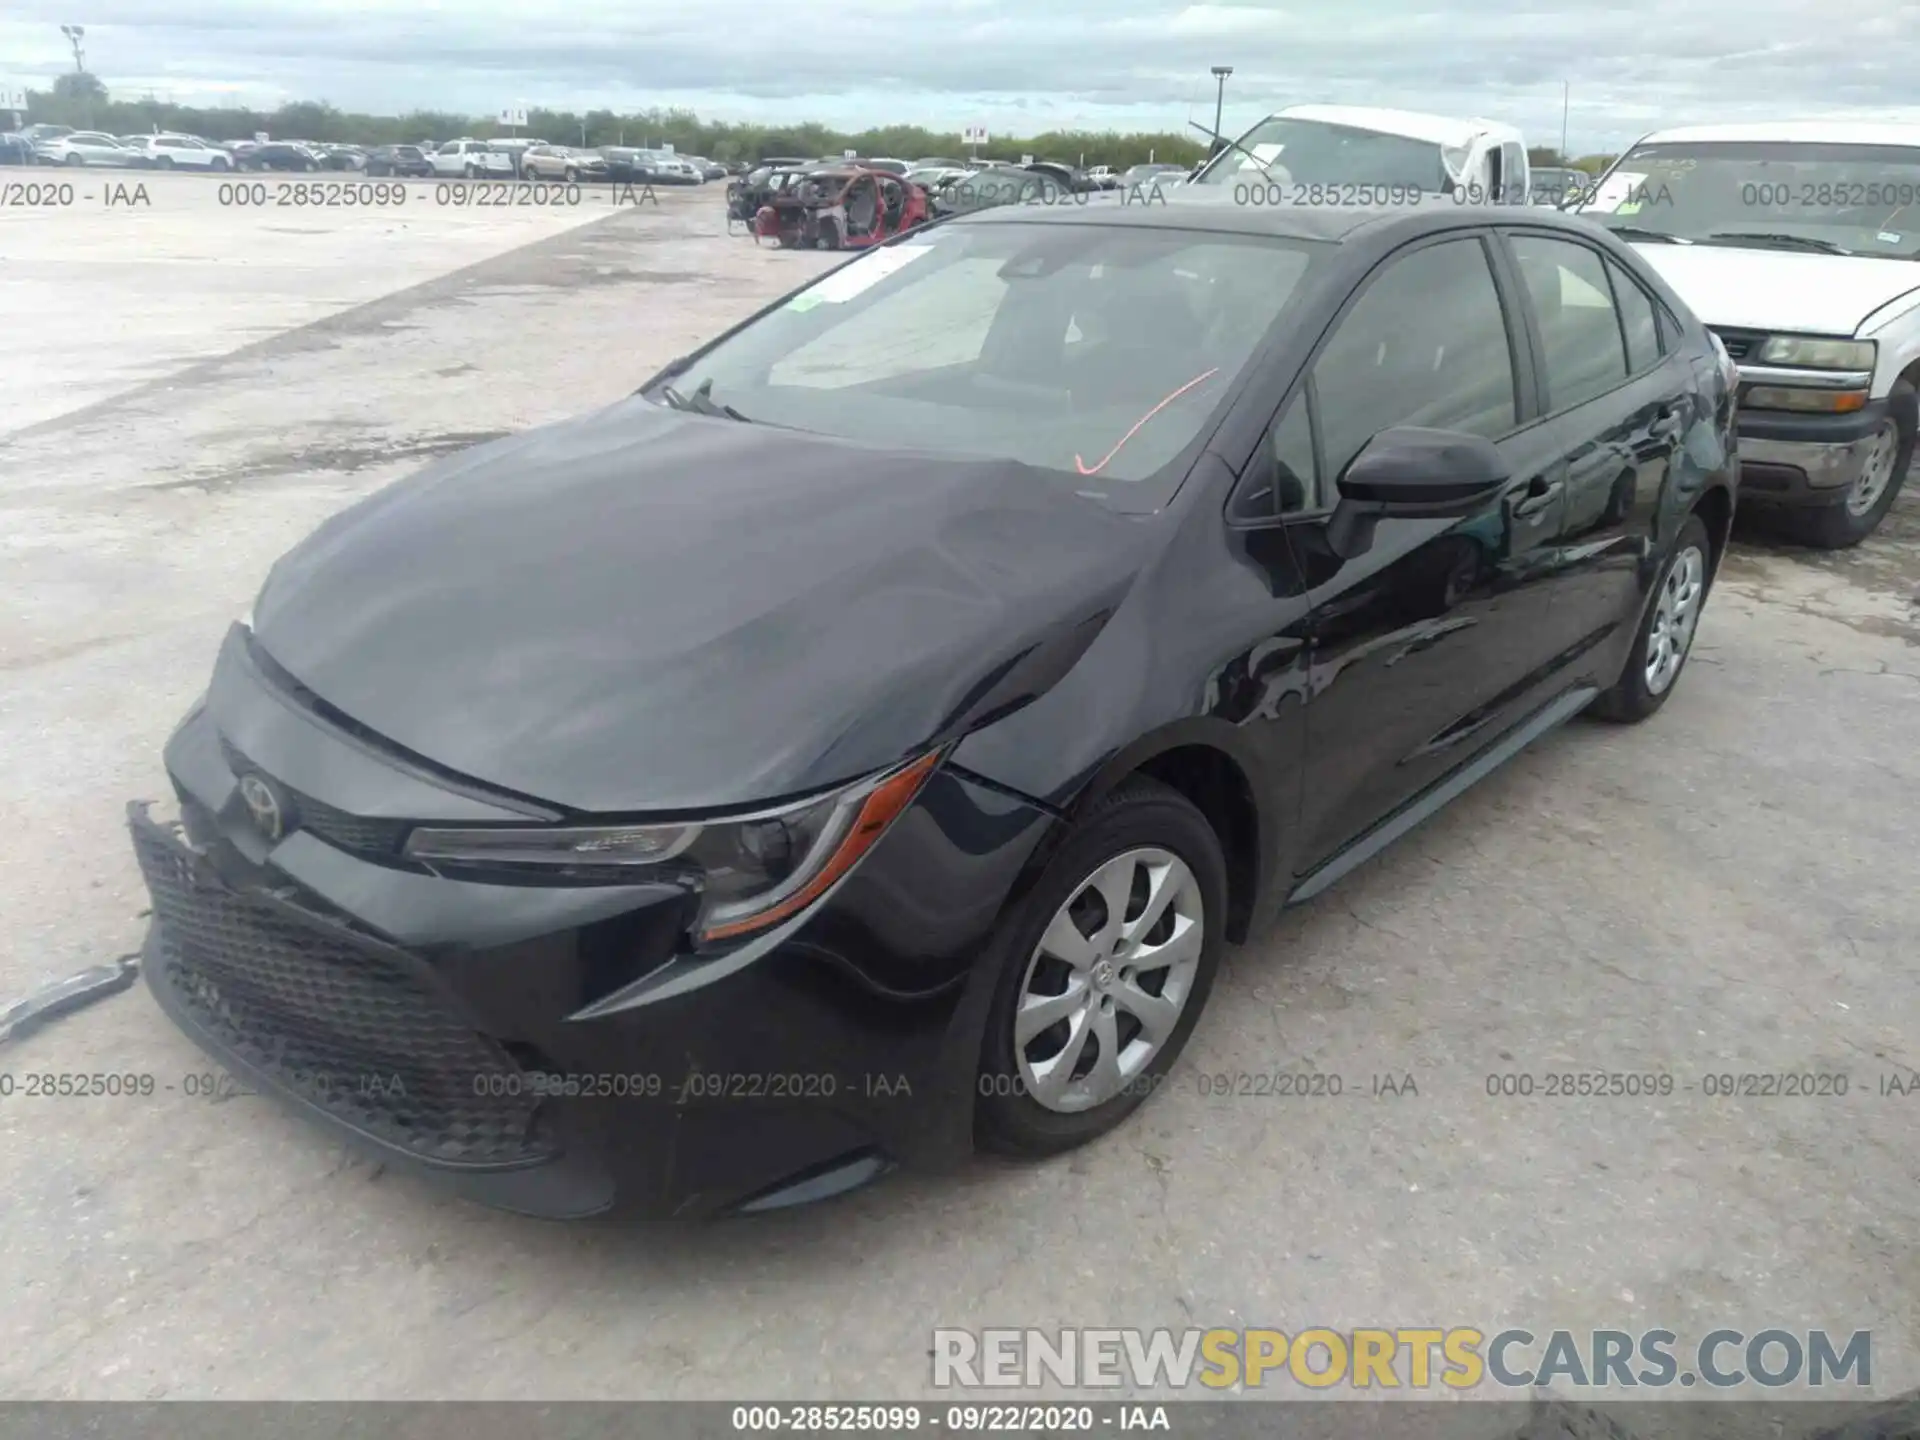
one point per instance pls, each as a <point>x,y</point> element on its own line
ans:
<point>264,806</point>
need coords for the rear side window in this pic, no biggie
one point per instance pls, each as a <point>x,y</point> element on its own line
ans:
<point>1425,344</point>
<point>1579,327</point>
<point>1637,320</point>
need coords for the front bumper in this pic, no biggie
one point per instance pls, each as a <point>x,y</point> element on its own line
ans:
<point>1804,460</point>
<point>553,1050</point>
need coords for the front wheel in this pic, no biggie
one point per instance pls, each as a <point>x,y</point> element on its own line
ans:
<point>219,165</point>
<point>74,157</point>
<point>165,162</point>
<point>1665,640</point>
<point>1105,966</point>
<point>1882,473</point>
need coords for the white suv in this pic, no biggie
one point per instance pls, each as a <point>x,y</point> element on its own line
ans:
<point>475,159</point>
<point>180,152</point>
<point>1798,243</point>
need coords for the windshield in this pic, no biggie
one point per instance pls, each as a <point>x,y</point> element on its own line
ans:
<point>1313,152</point>
<point>1863,199</point>
<point>1097,353</point>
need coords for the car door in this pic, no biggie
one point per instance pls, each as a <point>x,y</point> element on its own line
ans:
<point>1615,410</point>
<point>1430,644</point>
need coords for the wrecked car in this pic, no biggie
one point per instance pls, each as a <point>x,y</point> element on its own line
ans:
<point>748,192</point>
<point>842,209</point>
<point>858,745</point>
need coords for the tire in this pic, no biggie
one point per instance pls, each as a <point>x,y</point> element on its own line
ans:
<point>1638,692</point>
<point>1140,825</point>
<point>1840,527</point>
<point>570,175</point>
<point>219,166</point>
<point>828,238</point>
<point>165,162</point>
<point>74,157</point>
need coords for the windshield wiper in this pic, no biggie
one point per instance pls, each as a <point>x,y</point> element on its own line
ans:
<point>1771,237</point>
<point>1641,232</point>
<point>701,402</point>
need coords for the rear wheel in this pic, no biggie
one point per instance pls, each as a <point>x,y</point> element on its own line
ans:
<point>570,175</point>
<point>219,165</point>
<point>827,237</point>
<point>1665,640</point>
<point>74,157</point>
<point>1882,473</point>
<point>165,162</point>
<point>1106,964</point>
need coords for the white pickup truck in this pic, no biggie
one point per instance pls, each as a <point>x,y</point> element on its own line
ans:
<point>1357,155</point>
<point>1798,243</point>
<point>473,159</point>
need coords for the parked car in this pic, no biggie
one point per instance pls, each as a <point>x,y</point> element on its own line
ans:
<point>1559,186</point>
<point>708,169</point>
<point>280,155</point>
<point>665,169</point>
<point>1103,177</point>
<point>514,147</point>
<point>473,159</point>
<point>180,152</point>
<point>1069,177</point>
<point>398,160</point>
<point>1400,152</point>
<point>84,147</point>
<point>747,195</point>
<point>1145,177</point>
<point>970,779</point>
<point>990,188</point>
<point>40,132</point>
<point>931,177</point>
<point>931,162</point>
<point>343,157</point>
<point>1792,240</point>
<point>561,162</point>
<point>850,208</point>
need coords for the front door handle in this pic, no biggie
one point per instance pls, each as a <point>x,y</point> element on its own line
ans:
<point>1538,495</point>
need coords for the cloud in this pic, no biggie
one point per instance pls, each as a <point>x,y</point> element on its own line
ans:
<point>1014,66</point>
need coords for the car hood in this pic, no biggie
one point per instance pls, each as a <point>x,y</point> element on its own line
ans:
<point>1781,290</point>
<point>649,610</point>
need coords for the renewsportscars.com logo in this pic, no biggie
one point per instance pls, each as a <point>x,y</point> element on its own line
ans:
<point>1417,1358</point>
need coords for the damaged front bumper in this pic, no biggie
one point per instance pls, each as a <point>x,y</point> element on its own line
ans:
<point>552,1050</point>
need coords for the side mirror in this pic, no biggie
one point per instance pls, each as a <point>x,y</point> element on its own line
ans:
<point>1413,473</point>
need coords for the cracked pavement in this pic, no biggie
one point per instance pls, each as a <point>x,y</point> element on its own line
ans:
<point>1729,888</point>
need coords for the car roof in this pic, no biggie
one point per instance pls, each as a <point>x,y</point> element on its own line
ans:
<point>1806,132</point>
<point>1329,224</point>
<point>1414,124</point>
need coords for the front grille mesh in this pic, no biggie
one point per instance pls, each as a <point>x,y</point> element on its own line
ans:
<point>336,1021</point>
<point>1741,344</point>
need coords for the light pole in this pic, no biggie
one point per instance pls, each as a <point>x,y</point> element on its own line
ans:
<point>1220,73</point>
<point>74,34</point>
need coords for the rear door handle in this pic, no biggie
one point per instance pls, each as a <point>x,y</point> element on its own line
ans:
<point>1539,494</point>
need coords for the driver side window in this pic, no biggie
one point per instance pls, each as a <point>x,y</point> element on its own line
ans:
<point>1425,344</point>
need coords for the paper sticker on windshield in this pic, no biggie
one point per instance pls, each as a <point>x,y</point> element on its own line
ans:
<point>1887,237</point>
<point>1620,190</point>
<point>860,276</point>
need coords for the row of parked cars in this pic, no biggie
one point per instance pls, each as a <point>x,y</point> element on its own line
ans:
<point>463,158</point>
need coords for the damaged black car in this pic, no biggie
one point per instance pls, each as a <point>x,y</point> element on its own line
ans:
<point>847,753</point>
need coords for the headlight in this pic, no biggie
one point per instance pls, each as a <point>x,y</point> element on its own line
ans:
<point>752,871</point>
<point>1814,354</point>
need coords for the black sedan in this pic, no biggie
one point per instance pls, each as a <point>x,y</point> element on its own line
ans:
<point>840,755</point>
<point>398,160</point>
<point>278,155</point>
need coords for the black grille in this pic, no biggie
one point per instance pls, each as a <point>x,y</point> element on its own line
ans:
<point>337,1020</point>
<point>361,834</point>
<point>1741,344</point>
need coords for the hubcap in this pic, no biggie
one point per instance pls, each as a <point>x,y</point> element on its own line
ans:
<point>1876,472</point>
<point>1675,614</point>
<point>1106,985</point>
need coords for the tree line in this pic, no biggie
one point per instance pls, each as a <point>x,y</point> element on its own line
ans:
<point>80,100</point>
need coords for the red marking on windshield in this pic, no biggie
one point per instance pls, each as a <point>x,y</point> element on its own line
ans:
<point>1086,469</point>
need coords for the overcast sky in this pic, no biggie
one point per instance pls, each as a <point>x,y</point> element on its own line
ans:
<point>1016,66</point>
